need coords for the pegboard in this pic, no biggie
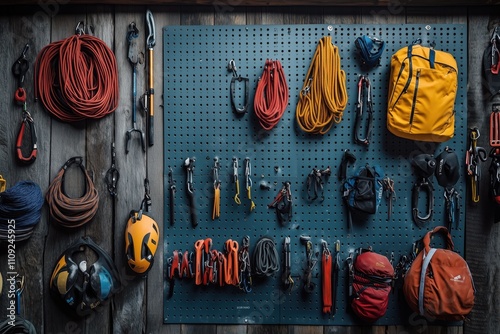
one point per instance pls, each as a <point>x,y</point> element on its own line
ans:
<point>199,122</point>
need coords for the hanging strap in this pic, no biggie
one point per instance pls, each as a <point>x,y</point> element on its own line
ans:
<point>423,274</point>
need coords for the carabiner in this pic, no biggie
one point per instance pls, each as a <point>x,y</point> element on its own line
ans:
<point>236,181</point>
<point>364,82</point>
<point>27,124</point>
<point>248,182</point>
<point>238,110</point>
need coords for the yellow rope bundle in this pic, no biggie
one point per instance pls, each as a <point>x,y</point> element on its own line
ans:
<point>323,97</point>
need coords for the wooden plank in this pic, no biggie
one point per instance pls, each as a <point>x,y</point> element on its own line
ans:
<point>300,15</point>
<point>131,302</point>
<point>436,15</point>
<point>67,140</point>
<point>28,254</point>
<point>100,135</point>
<point>231,329</point>
<point>482,234</point>
<point>163,16</point>
<point>342,15</point>
<point>197,15</point>
<point>361,3</point>
<point>266,329</point>
<point>196,329</point>
<point>391,14</point>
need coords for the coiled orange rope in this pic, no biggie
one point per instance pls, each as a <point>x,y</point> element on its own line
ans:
<point>271,95</point>
<point>77,78</point>
<point>323,97</point>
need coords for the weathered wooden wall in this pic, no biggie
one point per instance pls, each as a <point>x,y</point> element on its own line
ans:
<point>139,308</point>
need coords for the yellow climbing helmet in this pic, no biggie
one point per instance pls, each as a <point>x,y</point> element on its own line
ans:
<point>141,240</point>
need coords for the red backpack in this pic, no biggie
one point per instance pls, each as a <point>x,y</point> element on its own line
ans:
<point>370,281</point>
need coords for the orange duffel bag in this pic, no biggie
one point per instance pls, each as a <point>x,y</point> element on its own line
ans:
<point>439,284</point>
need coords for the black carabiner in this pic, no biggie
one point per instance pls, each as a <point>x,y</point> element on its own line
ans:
<point>426,186</point>
<point>27,124</point>
<point>364,82</point>
<point>238,110</point>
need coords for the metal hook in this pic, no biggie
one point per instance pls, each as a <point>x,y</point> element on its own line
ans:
<point>151,40</point>
<point>80,28</point>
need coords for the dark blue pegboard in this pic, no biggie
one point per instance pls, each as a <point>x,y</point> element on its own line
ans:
<point>199,122</point>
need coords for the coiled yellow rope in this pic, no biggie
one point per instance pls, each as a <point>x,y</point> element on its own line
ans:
<point>323,97</point>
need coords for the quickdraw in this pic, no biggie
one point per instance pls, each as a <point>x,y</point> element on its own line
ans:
<point>424,166</point>
<point>286,276</point>
<point>447,175</point>
<point>474,156</point>
<point>309,285</point>
<point>248,182</point>
<point>189,166</point>
<point>172,190</point>
<point>495,126</point>
<point>315,183</point>
<point>390,194</point>
<point>19,70</point>
<point>243,109</point>
<point>364,93</point>
<point>245,265</point>
<point>216,207</point>
<point>335,277</point>
<point>494,169</point>
<point>495,53</point>
<point>112,174</point>
<point>283,204</point>
<point>236,181</point>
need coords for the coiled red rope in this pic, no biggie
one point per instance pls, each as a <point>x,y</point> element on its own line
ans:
<point>77,78</point>
<point>271,95</point>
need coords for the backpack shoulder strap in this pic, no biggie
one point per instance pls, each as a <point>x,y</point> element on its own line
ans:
<point>425,264</point>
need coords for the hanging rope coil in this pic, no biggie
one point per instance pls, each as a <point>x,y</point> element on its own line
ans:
<point>77,78</point>
<point>265,257</point>
<point>72,212</point>
<point>21,325</point>
<point>20,210</point>
<point>271,95</point>
<point>323,97</point>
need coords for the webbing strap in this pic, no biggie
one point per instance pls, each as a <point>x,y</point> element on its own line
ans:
<point>421,286</point>
<point>432,57</point>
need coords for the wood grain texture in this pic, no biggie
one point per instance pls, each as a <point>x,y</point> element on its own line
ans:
<point>164,16</point>
<point>361,3</point>
<point>131,302</point>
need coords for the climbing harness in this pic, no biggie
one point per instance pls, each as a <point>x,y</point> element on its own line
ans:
<point>447,174</point>
<point>266,259</point>
<point>151,42</point>
<point>323,96</point>
<point>19,70</point>
<point>172,188</point>
<point>77,78</point>
<point>236,77</point>
<point>370,50</point>
<point>134,59</point>
<point>112,175</point>
<point>424,166</point>
<point>248,182</point>
<point>326,277</point>
<point>71,212</point>
<point>390,194</point>
<point>216,207</point>
<point>271,95</point>
<point>245,265</point>
<point>286,276</point>
<point>309,285</point>
<point>283,204</point>
<point>236,181</point>
<point>189,166</point>
<point>364,93</point>
<point>473,158</point>
<point>315,183</point>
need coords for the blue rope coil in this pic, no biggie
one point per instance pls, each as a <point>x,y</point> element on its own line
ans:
<point>20,210</point>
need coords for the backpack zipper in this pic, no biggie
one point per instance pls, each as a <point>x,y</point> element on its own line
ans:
<point>414,97</point>
<point>403,65</point>
<point>410,73</point>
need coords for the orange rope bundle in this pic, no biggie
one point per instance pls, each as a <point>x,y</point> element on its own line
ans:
<point>271,95</point>
<point>77,78</point>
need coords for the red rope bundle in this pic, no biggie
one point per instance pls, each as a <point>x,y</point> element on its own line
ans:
<point>271,95</point>
<point>77,78</point>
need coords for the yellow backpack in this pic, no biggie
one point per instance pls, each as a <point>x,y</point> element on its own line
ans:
<point>422,90</point>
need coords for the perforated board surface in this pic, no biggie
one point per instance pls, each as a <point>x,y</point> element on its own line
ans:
<point>199,122</point>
